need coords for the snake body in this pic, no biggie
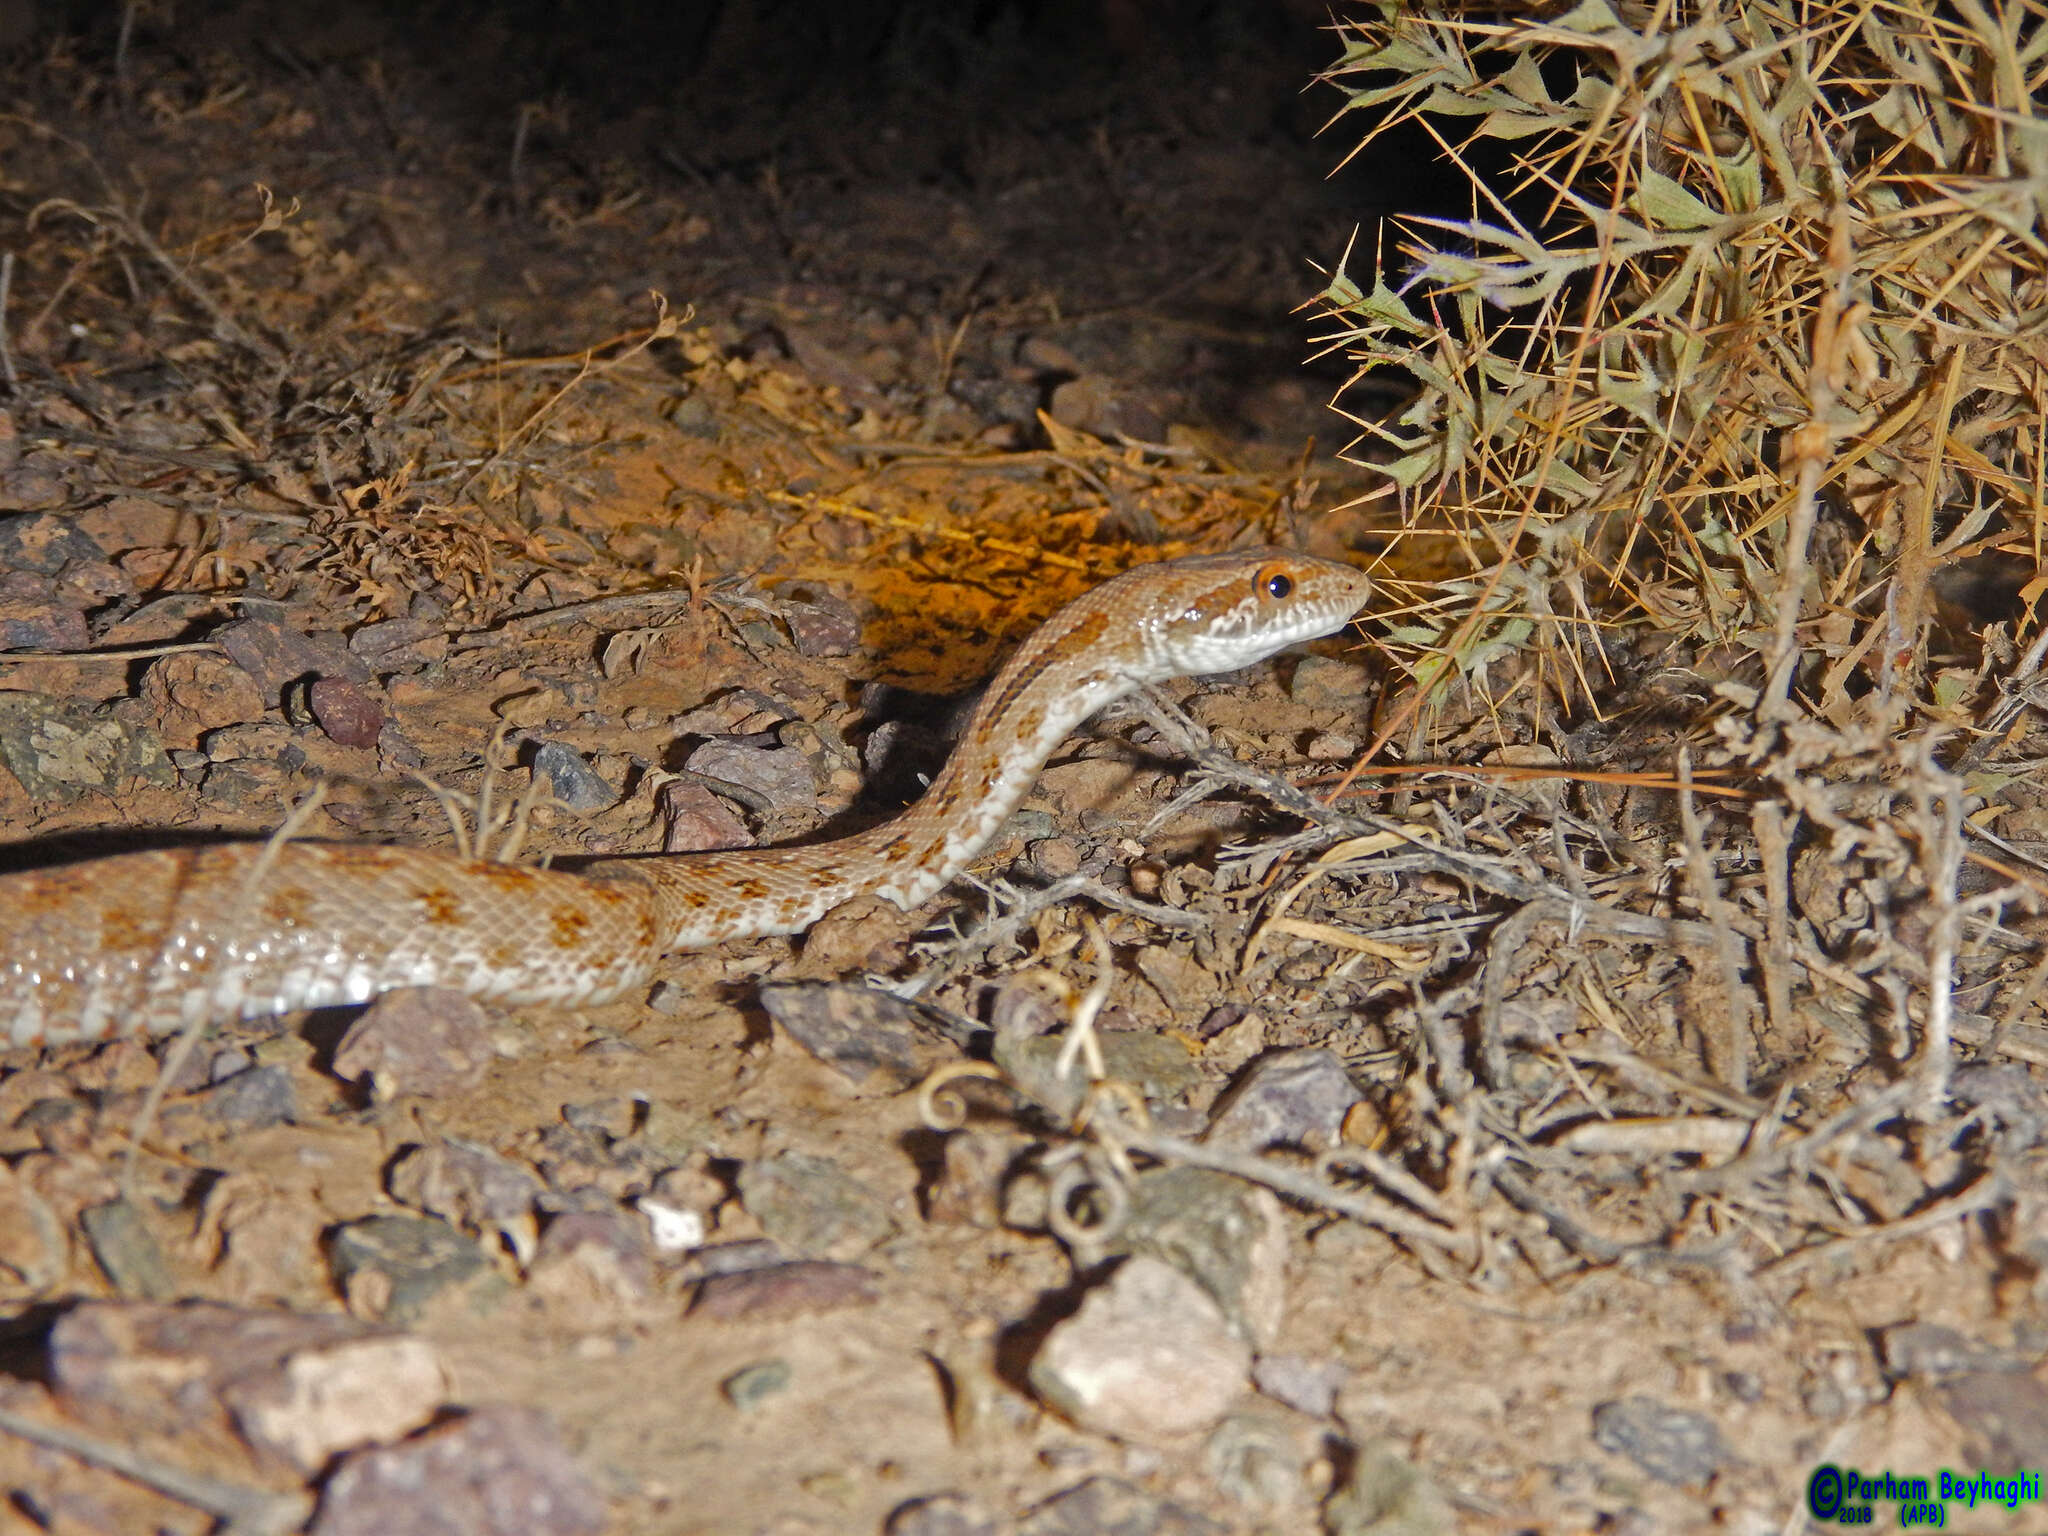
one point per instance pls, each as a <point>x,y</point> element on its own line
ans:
<point>159,940</point>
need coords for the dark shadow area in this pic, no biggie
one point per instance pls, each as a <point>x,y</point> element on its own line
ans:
<point>1123,199</point>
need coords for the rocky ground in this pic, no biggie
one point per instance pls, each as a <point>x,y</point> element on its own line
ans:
<point>423,408</point>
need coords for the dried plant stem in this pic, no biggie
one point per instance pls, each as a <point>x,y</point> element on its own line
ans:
<point>6,353</point>
<point>1810,447</point>
<point>1301,1185</point>
<point>1938,798</point>
<point>1774,851</point>
<point>1734,1048</point>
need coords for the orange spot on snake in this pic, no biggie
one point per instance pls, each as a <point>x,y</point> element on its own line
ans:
<point>288,906</point>
<point>439,905</point>
<point>49,886</point>
<point>124,928</point>
<point>569,925</point>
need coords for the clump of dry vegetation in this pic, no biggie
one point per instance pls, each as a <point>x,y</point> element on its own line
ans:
<point>1728,430</point>
<point>1762,270</point>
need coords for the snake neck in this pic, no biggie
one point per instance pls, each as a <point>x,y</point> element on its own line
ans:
<point>1022,720</point>
<point>1203,614</point>
<point>1033,704</point>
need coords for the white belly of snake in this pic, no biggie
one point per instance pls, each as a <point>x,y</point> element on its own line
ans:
<point>159,940</point>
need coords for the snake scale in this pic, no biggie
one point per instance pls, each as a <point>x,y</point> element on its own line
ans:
<point>158,940</point>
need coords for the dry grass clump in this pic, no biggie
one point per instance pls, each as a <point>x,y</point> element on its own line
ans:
<point>1749,351</point>
<point>1729,406</point>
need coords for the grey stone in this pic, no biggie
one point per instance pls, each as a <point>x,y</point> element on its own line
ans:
<point>974,1173</point>
<point>500,1471</point>
<point>752,1385</point>
<point>2004,1414</point>
<point>1109,1506</point>
<point>33,618</point>
<point>610,1119</point>
<point>865,1035</point>
<point>571,780</point>
<point>1228,1236</point>
<point>1157,1065</point>
<point>1931,1352</point>
<point>1386,1495</point>
<point>1258,1460</point>
<point>470,1185</point>
<point>1672,1445</point>
<point>127,1251</point>
<point>607,1252</point>
<point>249,1100</point>
<point>429,1041</point>
<point>1286,1098</point>
<point>1148,1357</point>
<point>59,751</point>
<point>812,1207</point>
<point>400,644</point>
<point>407,1259</point>
<point>778,777</point>
<point>279,657</point>
<point>798,1289</point>
<point>1303,1383</point>
<point>942,1514</point>
<point>46,545</point>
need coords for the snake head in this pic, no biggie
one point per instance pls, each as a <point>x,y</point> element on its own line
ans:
<point>1216,613</point>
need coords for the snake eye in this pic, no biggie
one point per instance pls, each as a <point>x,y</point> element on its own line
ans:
<point>1275,583</point>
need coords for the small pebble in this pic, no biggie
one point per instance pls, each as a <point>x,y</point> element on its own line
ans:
<point>1294,1098</point>
<point>1149,1356</point>
<point>498,1471</point>
<point>1673,1445</point>
<point>571,780</point>
<point>813,1207</point>
<point>783,1291</point>
<point>250,1100</point>
<point>393,1265</point>
<point>127,1251</point>
<point>942,1514</point>
<point>674,1228</point>
<point>347,713</point>
<point>1386,1493</point>
<point>1105,1505</point>
<point>428,1041</point>
<point>1303,1383</point>
<point>750,1386</point>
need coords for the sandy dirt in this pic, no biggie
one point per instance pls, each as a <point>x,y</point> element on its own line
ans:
<point>960,309</point>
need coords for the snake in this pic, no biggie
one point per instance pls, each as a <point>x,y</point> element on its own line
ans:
<point>164,939</point>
